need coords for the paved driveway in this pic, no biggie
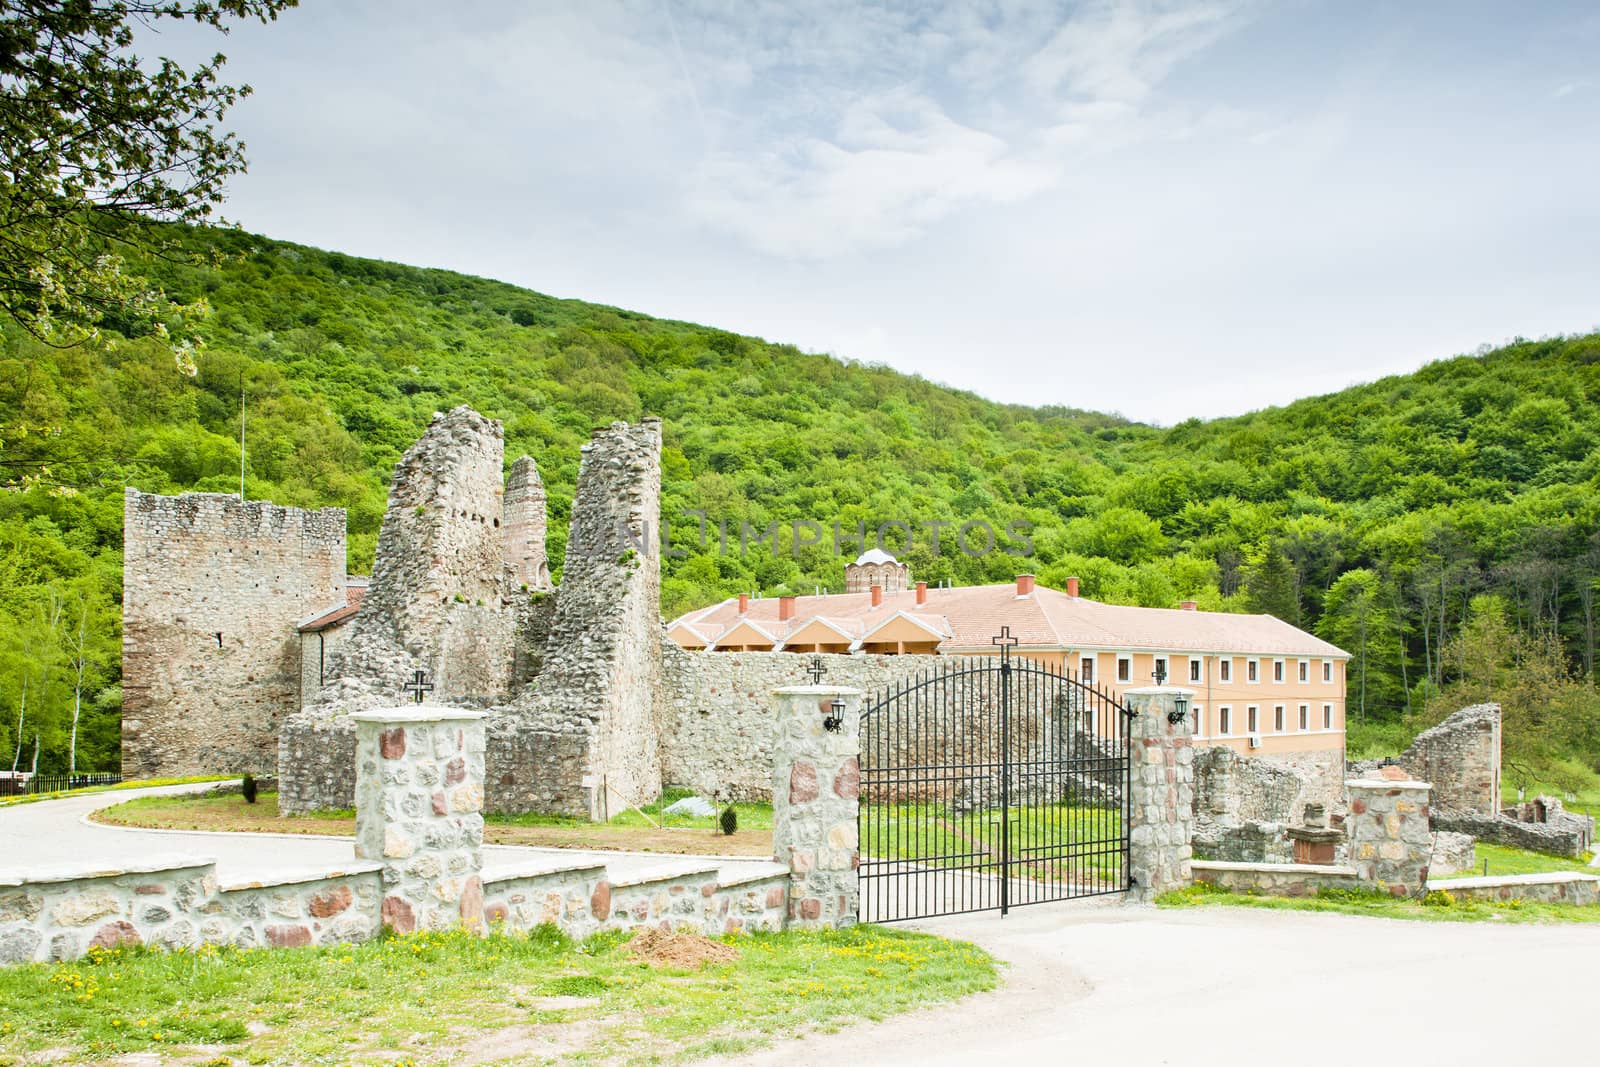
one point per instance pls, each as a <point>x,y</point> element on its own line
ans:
<point>1113,984</point>
<point>54,833</point>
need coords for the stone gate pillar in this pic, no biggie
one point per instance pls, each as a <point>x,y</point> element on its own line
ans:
<point>1161,799</point>
<point>419,794</point>
<point>1391,843</point>
<point>816,787</point>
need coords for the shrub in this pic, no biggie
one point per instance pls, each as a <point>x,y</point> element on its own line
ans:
<point>248,788</point>
<point>728,820</point>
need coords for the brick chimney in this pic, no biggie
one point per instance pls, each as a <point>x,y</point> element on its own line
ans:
<point>785,608</point>
<point>1024,585</point>
<point>922,593</point>
<point>1072,587</point>
<point>744,603</point>
<point>877,596</point>
<point>1190,605</point>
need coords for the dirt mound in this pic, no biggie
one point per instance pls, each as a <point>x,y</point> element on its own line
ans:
<point>690,951</point>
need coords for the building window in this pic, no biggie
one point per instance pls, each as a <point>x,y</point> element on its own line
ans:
<point>1277,670</point>
<point>1252,720</point>
<point>1164,670</point>
<point>1225,669</point>
<point>1124,668</point>
<point>1305,716</point>
<point>1252,671</point>
<point>1086,669</point>
<point>1224,720</point>
<point>1327,670</point>
<point>1277,719</point>
<point>1327,716</point>
<point>1305,671</point>
<point>1199,719</point>
<point>1194,668</point>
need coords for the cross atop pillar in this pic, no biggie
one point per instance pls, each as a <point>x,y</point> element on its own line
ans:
<point>419,686</point>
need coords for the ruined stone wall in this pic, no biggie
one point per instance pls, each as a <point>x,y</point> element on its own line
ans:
<point>1461,758</point>
<point>525,527</point>
<point>441,599</point>
<point>597,695</point>
<point>718,715</point>
<point>212,592</point>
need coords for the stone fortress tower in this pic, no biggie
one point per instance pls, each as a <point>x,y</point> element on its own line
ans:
<point>212,591</point>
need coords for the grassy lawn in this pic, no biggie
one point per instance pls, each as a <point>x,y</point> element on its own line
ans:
<point>1435,907</point>
<point>31,798</point>
<point>1503,860</point>
<point>1057,841</point>
<point>454,998</point>
<point>629,831</point>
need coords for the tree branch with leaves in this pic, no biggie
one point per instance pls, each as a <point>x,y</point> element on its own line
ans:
<point>97,148</point>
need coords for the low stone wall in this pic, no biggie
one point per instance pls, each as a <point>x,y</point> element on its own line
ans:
<point>1276,879</point>
<point>1250,842</point>
<point>177,902</point>
<point>316,763</point>
<point>420,777</point>
<point>1568,887</point>
<point>1557,840</point>
<point>1452,852</point>
<point>719,713</point>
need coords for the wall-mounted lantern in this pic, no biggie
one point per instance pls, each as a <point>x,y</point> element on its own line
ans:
<point>833,722</point>
<point>1180,709</point>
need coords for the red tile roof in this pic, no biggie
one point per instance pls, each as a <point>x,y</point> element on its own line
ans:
<point>968,616</point>
<point>353,596</point>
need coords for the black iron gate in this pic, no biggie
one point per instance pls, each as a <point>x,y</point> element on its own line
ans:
<point>991,782</point>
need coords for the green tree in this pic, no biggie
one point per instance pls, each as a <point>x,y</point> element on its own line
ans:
<point>1269,586</point>
<point>97,143</point>
<point>1355,619</point>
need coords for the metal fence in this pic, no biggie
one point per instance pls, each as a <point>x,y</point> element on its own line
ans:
<point>26,784</point>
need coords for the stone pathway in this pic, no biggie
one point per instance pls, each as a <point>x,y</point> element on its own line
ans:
<point>57,833</point>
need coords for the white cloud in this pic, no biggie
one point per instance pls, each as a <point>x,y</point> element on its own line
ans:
<point>895,164</point>
<point>891,119</point>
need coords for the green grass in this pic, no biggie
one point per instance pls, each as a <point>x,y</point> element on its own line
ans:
<point>434,998</point>
<point>145,783</point>
<point>1434,907</point>
<point>1504,860</point>
<point>1072,839</point>
<point>752,816</point>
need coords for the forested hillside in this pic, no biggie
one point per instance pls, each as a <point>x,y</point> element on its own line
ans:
<point>1373,516</point>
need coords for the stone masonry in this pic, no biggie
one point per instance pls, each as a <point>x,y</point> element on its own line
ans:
<point>419,795</point>
<point>1461,757</point>
<point>1161,804</point>
<point>525,527</point>
<point>1390,840</point>
<point>589,721</point>
<point>212,592</point>
<point>441,596</point>
<point>420,784</point>
<point>816,789</point>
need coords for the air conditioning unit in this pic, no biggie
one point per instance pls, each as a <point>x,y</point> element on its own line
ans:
<point>1255,740</point>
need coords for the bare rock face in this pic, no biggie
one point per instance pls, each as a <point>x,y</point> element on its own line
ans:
<point>442,597</point>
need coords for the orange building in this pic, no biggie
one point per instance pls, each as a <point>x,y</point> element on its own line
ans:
<point>1261,685</point>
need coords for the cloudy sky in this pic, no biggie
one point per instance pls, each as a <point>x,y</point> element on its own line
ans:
<point>1163,209</point>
